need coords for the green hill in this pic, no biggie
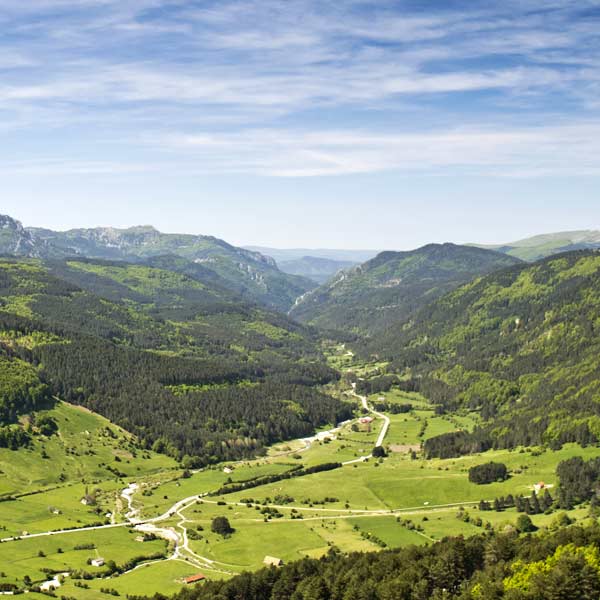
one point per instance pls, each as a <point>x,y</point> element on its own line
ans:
<point>245,272</point>
<point>391,286</point>
<point>175,361</point>
<point>541,246</point>
<point>521,346</point>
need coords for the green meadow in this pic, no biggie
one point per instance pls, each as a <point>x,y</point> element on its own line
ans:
<point>398,500</point>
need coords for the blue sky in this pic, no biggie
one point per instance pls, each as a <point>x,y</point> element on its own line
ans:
<point>381,124</point>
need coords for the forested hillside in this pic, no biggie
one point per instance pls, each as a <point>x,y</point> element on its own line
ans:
<point>245,272</point>
<point>562,565</point>
<point>391,286</point>
<point>180,363</point>
<point>520,345</point>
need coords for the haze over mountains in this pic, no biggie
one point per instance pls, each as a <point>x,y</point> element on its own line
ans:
<point>540,246</point>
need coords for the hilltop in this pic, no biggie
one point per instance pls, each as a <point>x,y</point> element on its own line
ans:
<point>390,287</point>
<point>541,246</point>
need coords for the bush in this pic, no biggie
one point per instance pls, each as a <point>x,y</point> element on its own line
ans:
<point>221,526</point>
<point>525,524</point>
<point>379,452</point>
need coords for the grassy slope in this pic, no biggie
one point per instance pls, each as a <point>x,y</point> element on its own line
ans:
<point>85,444</point>
<point>542,246</point>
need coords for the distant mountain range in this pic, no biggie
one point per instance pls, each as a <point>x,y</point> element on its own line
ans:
<point>315,268</point>
<point>287,254</point>
<point>391,286</point>
<point>317,264</point>
<point>250,274</point>
<point>541,246</point>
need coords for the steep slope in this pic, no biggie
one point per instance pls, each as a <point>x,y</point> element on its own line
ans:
<point>188,371</point>
<point>521,346</point>
<point>391,286</point>
<point>249,273</point>
<point>16,240</point>
<point>541,246</point>
<point>315,268</point>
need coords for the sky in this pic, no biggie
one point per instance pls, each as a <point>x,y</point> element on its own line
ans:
<point>300,123</point>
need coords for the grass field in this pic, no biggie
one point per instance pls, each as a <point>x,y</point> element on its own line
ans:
<point>59,552</point>
<point>86,445</point>
<point>390,502</point>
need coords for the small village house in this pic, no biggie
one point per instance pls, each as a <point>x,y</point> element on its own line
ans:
<point>194,578</point>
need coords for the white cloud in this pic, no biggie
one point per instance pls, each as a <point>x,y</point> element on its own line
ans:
<point>249,73</point>
<point>567,149</point>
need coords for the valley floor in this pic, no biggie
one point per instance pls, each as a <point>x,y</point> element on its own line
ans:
<point>364,505</point>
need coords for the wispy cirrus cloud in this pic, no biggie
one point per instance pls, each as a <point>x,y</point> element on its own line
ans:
<point>516,80</point>
<point>558,150</point>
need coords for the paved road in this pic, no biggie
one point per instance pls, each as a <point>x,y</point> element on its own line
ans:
<point>147,524</point>
<point>382,433</point>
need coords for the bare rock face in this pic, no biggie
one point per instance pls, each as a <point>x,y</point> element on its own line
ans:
<point>16,240</point>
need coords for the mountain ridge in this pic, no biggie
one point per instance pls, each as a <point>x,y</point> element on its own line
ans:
<point>245,272</point>
<point>519,345</point>
<point>390,286</point>
<point>546,244</point>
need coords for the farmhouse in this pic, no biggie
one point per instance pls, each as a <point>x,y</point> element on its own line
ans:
<point>271,561</point>
<point>97,562</point>
<point>194,578</point>
<point>365,420</point>
<point>88,499</point>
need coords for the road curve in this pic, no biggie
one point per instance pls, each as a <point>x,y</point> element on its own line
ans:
<point>382,433</point>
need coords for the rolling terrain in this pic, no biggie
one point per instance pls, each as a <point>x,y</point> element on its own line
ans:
<point>250,274</point>
<point>541,246</point>
<point>153,417</point>
<point>392,286</point>
<point>174,361</point>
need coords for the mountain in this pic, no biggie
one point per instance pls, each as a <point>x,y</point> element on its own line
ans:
<point>285,254</point>
<point>315,268</point>
<point>391,286</point>
<point>520,346</point>
<point>188,368</point>
<point>18,241</point>
<point>247,273</point>
<point>541,246</point>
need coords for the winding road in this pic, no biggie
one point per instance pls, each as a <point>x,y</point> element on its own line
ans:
<point>181,548</point>
<point>382,433</point>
